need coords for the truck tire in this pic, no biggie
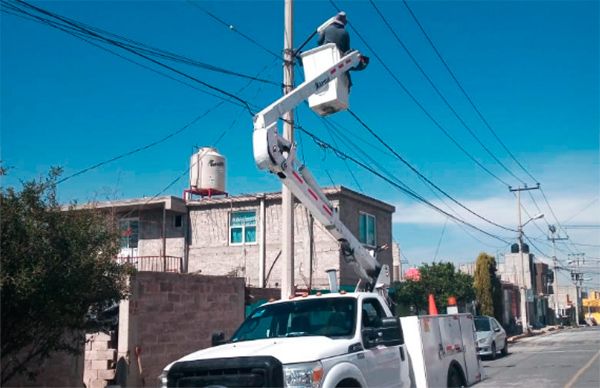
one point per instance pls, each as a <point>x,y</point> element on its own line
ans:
<point>348,383</point>
<point>455,378</point>
<point>494,351</point>
<point>504,350</point>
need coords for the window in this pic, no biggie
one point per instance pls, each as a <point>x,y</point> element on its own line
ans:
<point>129,233</point>
<point>242,227</point>
<point>372,313</point>
<point>366,229</point>
<point>178,221</point>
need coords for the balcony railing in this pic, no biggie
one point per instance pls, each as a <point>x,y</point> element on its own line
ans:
<point>153,263</point>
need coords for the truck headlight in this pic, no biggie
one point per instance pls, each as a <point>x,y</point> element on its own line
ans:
<point>305,375</point>
<point>163,379</point>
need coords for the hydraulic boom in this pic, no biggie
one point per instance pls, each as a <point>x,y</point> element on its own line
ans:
<point>274,153</point>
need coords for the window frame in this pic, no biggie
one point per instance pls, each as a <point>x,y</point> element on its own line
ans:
<point>129,220</point>
<point>367,215</point>
<point>243,227</point>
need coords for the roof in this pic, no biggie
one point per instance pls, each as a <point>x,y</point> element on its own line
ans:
<point>169,202</point>
<point>333,192</point>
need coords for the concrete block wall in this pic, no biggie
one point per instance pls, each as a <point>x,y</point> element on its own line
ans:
<point>210,252</point>
<point>100,359</point>
<point>60,369</point>
<point>170,315</point>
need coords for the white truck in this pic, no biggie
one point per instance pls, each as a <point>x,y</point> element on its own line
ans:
<point>338,339</point>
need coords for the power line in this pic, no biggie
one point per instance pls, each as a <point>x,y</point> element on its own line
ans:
<point>132,51</point>
<point>420,105</point>
<point>421,176</point>
<point>231,27</point>
<point>439,55</point>
<point>440,94</point>
<point>410,193</point>
<point>28,16</point>
<point>366,155</point>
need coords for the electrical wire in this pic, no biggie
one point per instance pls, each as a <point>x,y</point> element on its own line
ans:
<point>423,177</point>
<point>440,94</point>
<point>340,154</point>
<point>365,155</point>
<point>132,51</point>
<point>421,106</point>
<point>231,27</point>
<point>28,16</point>
<point>458,83</point>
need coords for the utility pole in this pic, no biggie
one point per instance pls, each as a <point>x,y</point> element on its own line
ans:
<point>577,278</point>
<point>524,318</point>
<point>287,198</point>
<point>552,229</point>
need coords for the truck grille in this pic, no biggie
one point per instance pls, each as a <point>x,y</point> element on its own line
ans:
<point>227,372</point>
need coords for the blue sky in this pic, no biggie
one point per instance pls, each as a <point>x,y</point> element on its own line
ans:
<point>531,67</point>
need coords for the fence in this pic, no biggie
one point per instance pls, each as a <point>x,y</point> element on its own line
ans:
<point>153,263</point>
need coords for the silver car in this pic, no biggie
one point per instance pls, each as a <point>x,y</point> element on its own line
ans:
<point>491,337</point>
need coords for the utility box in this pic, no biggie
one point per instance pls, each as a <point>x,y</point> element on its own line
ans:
<point>333,96</point>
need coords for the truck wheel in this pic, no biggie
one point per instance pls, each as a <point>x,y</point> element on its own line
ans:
<point>504,350</point>
<point>455,379</point>
<point>493,355</point>
<point>348,383</point>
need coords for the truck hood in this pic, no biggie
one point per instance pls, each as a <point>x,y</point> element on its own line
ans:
<point>287,350</point>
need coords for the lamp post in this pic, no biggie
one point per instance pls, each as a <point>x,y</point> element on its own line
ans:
<point>524,318</point>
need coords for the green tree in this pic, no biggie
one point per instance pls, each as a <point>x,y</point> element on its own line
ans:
<point>440,279</point>
<point>57,268</point>
<point>488,288</point>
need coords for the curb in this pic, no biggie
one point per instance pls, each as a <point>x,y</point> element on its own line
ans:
<point>539,333</point>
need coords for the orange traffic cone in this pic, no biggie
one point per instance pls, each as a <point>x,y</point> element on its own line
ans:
<point>432,308</point>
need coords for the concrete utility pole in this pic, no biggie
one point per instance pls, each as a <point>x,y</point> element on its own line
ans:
<point>552,229</point>
<point>524,318</point>
<point>577,278</point>
<point>287,198</point>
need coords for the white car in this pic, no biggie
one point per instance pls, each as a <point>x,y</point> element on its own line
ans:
<point>491,337</point>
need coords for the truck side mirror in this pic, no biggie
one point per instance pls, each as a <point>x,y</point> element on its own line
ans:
<point>218,338</point>
<point>389,333</point>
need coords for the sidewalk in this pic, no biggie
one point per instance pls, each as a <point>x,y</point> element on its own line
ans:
<point>543,331</point>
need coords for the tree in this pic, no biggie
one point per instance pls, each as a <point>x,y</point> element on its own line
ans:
<point>488,288</point>
<point>440,279</point>
<point>57,268</point>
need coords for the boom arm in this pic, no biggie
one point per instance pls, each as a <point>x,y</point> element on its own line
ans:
<point>273,152</point>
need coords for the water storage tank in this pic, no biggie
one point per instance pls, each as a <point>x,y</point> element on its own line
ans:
<point>207,171</point>
<point>332,97</point>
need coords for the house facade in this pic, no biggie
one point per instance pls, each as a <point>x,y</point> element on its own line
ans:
<point>241,236</point>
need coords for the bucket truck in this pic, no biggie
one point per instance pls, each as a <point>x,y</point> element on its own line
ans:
<point>332,340</point>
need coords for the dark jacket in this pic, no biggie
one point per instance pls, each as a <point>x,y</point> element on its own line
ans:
<point>336,33</point>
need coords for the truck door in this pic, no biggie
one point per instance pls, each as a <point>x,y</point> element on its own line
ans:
<point>384,362</point>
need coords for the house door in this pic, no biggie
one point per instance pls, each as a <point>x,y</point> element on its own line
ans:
<point>129,228</point>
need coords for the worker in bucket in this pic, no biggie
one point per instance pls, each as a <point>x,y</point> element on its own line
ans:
<point>334,31</point>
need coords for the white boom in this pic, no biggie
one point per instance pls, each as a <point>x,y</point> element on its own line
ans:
<point>276,154</point>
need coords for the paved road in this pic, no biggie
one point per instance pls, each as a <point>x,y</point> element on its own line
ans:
<point>569,358</point>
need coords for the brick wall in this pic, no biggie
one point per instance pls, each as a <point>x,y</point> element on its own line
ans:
<point>171,315</point>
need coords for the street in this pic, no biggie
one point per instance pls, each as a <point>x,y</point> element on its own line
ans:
<point>570,358</point>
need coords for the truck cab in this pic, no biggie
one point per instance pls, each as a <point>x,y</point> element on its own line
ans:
<point>330,340</point>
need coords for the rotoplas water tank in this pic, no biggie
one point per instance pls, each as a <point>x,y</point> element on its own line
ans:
<point>207,170</point>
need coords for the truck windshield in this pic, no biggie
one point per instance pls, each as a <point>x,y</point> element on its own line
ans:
<point>482,324</point>
<point>330,317</point>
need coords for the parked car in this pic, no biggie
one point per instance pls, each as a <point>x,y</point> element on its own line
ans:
<point>491,337</point>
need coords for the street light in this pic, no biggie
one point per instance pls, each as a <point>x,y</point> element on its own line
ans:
<point>536,217</point>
